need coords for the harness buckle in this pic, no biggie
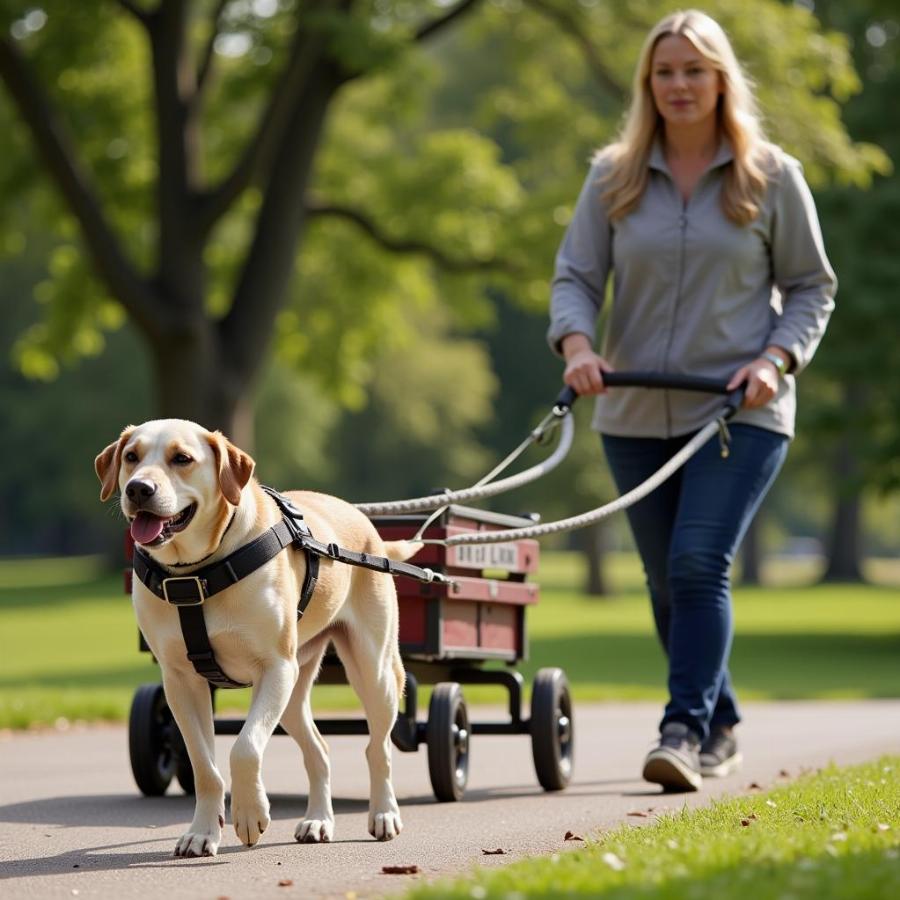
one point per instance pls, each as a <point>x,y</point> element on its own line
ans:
<point>196,600</point>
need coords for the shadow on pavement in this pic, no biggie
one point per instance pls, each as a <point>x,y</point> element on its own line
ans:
<point>137,811</point>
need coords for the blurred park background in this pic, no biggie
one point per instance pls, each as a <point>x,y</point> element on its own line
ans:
<point>327,228</point>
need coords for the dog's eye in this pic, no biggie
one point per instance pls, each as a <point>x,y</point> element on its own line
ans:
<point>181,459</point>
<point>131,457</point>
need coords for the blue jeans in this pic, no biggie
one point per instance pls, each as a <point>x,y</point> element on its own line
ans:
<point>687,532</point>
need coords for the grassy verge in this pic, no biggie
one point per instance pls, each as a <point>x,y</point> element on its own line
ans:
<point>830,836</point>
<point>793,640</point>
<point>68,641</point>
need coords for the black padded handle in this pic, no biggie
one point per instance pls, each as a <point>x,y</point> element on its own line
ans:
<point>665,380</point>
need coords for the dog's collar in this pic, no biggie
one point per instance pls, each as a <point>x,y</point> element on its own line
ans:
<point>184,565</point>
<point>193,589</point>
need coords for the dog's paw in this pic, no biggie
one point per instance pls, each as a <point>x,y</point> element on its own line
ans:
<point>249,813</point>
<point>314,831</point>
<point>198,843</point>
<point>385,826</point>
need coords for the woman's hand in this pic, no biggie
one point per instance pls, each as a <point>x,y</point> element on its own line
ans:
<point>583,366</point>
<point>762,382</point>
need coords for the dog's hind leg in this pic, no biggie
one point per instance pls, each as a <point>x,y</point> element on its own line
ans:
<point>188,698</point>
<point>374,670</point>
<point>317,825</point>
<point>249,804</point>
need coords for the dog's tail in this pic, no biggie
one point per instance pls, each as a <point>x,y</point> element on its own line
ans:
<point>400,551</point>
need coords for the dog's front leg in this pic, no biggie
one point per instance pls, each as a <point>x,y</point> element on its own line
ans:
<point>249,804</point>
<point>188,698</point>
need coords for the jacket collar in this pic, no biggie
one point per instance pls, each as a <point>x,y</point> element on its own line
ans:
<point>657,159</point>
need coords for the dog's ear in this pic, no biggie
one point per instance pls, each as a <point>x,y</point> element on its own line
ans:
<point>235,467</point>
<point>106,465</point>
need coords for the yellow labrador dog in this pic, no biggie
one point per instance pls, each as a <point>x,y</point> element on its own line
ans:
<point>191,499</point>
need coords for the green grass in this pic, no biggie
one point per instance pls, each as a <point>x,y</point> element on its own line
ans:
<point>792,641</point>
<point>68,641</point>
<point>834,835</point>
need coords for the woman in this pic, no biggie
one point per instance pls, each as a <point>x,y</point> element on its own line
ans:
<point>718,270</point>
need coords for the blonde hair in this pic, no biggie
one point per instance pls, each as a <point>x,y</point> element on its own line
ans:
<point>738,120</point>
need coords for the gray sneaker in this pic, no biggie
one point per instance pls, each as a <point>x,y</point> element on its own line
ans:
<point>675,762</point>
<point>719,755</point>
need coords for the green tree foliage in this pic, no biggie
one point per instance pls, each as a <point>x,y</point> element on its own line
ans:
<point>233,173</point>
<point>859,367</point>
<point>847,435</point>
<point>346,187</point>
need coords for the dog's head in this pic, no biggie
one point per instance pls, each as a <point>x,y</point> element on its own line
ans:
<point>178,483</point>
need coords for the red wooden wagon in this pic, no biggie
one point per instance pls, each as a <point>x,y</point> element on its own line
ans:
<point>447,633</point>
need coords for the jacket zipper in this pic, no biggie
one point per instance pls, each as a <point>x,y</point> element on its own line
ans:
<point>682,229</point>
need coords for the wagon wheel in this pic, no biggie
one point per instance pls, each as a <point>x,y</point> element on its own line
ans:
<point>151,746</point>
<point>184,771</point>
<point>448,741</point>
<point>552,729</point>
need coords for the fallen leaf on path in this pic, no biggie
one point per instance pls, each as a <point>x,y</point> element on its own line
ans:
<point>496,852</point>
<point>571,836</point>
<point>399,870</point>
<point>638,812</point>
<point>285,882</point>
<point>754,786</point>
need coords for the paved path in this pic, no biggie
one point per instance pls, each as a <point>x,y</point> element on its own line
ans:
<point>73,824</point>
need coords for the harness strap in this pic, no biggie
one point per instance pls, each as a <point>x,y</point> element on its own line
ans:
<point>199,649</point>
<point>368,561</point>
<point>189,592</point>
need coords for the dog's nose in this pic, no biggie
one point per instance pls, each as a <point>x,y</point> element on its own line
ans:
<point>139,490</point>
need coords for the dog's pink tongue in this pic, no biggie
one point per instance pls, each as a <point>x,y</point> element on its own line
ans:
<point>146,528</point>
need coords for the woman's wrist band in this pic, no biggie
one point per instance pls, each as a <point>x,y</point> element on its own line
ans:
<point>776,360</point>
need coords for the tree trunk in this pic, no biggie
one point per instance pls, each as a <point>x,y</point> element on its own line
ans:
<point>194,381</point>
<point>595,547</point>
<point>750,555</point>
<point>844,561</point>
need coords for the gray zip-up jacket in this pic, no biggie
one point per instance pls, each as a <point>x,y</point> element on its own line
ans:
<point>693,293</point>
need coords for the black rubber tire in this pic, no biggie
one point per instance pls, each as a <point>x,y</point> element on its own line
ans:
<point>184,772</point>
<point>448,742</point>
<point>552,729</point>
<point>150,723</point>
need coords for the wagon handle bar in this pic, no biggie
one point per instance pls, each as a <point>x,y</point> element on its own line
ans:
<point>568,395</point>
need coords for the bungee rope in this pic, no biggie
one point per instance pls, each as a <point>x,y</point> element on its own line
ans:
<point>485,487</point>
<point>482,488</point>
<point>601,512</point>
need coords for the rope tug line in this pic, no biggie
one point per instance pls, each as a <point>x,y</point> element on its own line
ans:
<point>560,413</point>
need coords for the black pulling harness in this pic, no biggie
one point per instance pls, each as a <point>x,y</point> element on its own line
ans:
<point>189,592</point>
